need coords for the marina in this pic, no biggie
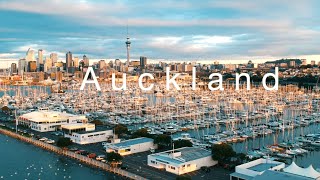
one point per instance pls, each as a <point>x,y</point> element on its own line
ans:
<point>258,123</point>
<point>159,90</point>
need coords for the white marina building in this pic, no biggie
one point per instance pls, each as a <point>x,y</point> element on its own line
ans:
<point>182,160</point>
<point>131,146</point>
<point>266,169</point>
<point>46,120</point>
<point>255,168</point>
<point>86,133</point>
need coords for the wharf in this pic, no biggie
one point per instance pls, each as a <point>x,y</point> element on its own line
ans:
<point>70,154</point>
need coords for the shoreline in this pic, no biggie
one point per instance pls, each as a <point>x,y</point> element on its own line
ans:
<point>72,155</point>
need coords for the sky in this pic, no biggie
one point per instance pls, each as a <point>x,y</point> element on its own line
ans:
<point>229,31</point>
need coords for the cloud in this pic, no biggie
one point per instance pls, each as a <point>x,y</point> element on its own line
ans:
<point>162,29</point>
<point>8,55</point>
<point>100,14</point>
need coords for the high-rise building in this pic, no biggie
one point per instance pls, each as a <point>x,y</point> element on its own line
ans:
<point>59,64</point>
<point>32,66</point>
<point>313,63</point>
<point>30,55</point>
<point>102,64</point>
<point>39,59</point>
<point>143,62</point>
<point>85,60</point>
<point>173,67</point>
<point>68,60</point>
<point>76,62</point>
<point>21,66</point>
<point>13,68</point>
<point>117,62</point>
<point>47,64</point>
<point>304,62</point>
<point>179,67</point>
<point>250,64</point>
<point>135,63</point>
<point>293,63</point>
<point>54,57</point>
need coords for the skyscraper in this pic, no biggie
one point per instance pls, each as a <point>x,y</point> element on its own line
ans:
<point>313,63</point>
<point>30,55</point>
<point>304,61</point>
<point>102,64</point>
<point>32,66</point>
<point>76,62</point>
<point>54,57</point>
<point>40,59</point>
<point>21,66</point>
<point>47,64</point>
<point>293,63</point>
<point>68,60</point>
<point>85,60</point>
<point>143,62</point>
<point>13,68</point>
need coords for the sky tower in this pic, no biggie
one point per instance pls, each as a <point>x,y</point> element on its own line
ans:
<point>128,47</point>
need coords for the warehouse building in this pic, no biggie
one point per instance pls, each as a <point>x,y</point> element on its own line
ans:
<point>182,160</point>
<point>86,133</point>
<point>266,169</point>
<point>131,146</point>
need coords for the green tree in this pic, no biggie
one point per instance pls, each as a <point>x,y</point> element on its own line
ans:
<point>222,153</point>
<point>182,143</point>
<point>162,140</point>
<point>241,158</point>
<point>120,129</point>
<point>141,133</point>
<point>64,142</point>
<point>114,158</point>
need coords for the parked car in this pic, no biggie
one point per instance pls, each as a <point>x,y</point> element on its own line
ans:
<point>92,155</point>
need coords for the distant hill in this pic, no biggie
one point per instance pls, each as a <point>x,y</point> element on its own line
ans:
<point>298,61</point>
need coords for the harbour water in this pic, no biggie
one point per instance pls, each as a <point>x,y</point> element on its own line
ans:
<point>24,161</point>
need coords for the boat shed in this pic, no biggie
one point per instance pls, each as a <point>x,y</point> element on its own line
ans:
<point>182,160</point>
<point>131,146</point>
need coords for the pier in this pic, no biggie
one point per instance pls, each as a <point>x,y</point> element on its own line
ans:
<point>70,154</point>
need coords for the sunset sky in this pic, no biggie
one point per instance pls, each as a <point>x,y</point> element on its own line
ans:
<point>169,30</point>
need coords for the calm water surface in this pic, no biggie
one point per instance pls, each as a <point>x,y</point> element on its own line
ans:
<point>19,160</point>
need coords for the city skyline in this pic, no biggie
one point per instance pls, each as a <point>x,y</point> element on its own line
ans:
<point>169,31</point>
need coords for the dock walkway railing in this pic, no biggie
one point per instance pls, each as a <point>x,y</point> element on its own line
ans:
<point>79,157</point>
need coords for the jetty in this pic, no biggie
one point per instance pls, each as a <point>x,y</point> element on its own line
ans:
<point>70,154</point>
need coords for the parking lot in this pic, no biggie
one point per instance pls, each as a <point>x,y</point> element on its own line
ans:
<point>139,161</point>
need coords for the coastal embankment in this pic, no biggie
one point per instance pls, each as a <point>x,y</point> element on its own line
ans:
<point>70,154</point>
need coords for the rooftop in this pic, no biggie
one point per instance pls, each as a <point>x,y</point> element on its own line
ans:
<point>98,129</point>
<point>267,175</point>
<point>187,154</point>
<point>74,126</point>
<point>48,116</point>
<point>257,167</point>
<point>262,167</point>
<point>131,142</point>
